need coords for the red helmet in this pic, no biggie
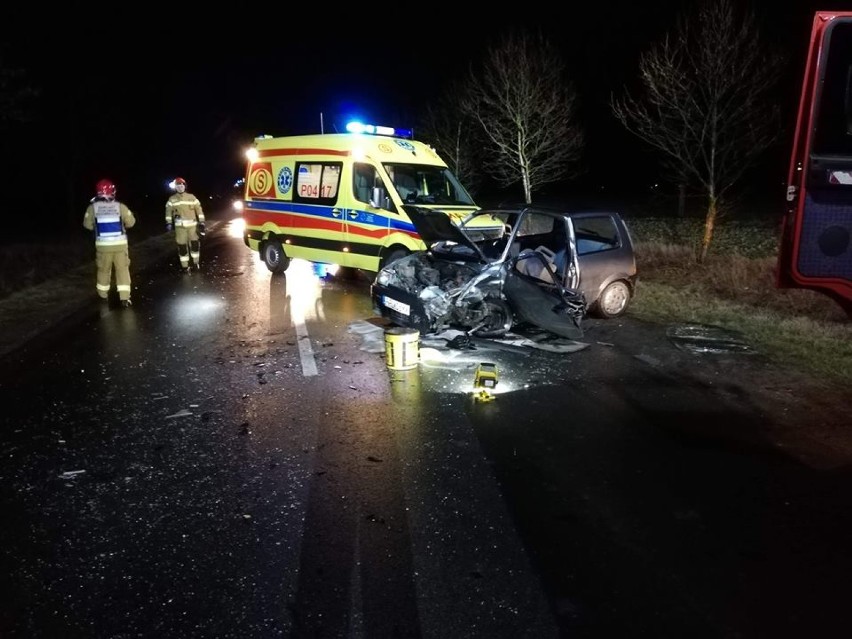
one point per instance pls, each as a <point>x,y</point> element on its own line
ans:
<point>180,180</point>
<point>105,188</point>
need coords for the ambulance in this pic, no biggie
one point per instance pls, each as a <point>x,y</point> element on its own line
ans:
<point>340,198</point>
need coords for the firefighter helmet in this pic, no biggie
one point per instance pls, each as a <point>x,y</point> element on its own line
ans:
<point>105,188</point>
<point>180,180</point>
<point>180,184</point>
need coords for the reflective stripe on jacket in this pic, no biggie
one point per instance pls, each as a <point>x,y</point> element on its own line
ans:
<point>109,219</point>
<point>184,209</point>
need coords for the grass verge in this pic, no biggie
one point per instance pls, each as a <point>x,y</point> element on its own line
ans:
<point>798,328</point>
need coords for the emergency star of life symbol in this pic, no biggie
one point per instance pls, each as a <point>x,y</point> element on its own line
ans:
<point>285,179</point>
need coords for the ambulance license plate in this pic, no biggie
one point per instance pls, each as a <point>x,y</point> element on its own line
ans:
<point>394,305</point>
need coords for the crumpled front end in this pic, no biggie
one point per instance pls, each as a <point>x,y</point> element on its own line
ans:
<point>426,294</point>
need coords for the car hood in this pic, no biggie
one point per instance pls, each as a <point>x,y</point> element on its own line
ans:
<point>436,226</point>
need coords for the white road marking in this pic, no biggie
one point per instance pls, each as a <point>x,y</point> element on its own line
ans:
<point>306,353</point>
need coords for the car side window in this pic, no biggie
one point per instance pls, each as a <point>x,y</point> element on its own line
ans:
<point>596,234</point>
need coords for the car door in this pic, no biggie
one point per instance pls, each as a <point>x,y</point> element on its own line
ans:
<point>597,241</point>
<point>537,299</point>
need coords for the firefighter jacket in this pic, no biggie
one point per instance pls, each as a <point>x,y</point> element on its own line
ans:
<point>109,219</point>
<point>184,209</point>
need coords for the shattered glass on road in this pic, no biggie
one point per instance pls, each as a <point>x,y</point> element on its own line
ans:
<point>705,339</point>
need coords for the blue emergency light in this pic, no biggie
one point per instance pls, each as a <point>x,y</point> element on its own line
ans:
<point>375,129</point>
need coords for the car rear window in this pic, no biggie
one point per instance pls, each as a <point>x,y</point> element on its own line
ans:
<point>595,234</point>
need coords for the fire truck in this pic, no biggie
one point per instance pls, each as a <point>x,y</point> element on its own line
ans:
<point>816,236</point>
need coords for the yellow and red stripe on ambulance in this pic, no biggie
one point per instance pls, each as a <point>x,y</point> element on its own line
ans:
<point>340,198</point>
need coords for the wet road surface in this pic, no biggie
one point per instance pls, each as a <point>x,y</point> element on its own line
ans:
<point>232,457</point>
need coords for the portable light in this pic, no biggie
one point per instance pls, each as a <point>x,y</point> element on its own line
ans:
<point>484,380</point>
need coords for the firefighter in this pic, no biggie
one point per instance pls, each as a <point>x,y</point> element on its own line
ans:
<point>110,219</point>
<point>184,215</point>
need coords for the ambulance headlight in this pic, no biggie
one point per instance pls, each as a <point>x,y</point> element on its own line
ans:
<point>383,278</point>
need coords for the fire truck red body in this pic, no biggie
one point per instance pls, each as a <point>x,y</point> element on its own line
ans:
<point>816,238</point>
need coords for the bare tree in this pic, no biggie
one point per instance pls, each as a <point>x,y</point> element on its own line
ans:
<point>526,107</point>
<point>706,104</point>
<point>455,136</point>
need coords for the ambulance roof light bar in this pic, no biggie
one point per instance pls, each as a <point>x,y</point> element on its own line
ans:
<point>374,129</point>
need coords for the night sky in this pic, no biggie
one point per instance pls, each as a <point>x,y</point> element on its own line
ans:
<point>143,98</point>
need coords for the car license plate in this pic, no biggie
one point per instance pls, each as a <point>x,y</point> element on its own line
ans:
<point>394,305</point>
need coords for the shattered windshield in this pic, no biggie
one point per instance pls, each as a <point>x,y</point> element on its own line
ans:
<point>484,226</point>
<point>425,184</point>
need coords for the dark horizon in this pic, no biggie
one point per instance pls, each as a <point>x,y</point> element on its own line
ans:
<point>157,96</point>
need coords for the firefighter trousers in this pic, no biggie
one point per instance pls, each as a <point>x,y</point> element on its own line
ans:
<point>113,259</point>
<point>188,245</point>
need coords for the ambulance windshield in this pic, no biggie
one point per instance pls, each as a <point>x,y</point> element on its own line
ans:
<point>424,184</point>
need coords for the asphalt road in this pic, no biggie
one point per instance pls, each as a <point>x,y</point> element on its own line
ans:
<point>232,457</point>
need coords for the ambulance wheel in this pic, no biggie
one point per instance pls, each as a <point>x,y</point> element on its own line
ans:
<point>274,257</point>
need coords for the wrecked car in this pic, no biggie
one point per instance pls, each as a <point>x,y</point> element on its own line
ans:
<point>546,267</point>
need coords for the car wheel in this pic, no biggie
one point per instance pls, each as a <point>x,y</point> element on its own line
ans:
<point>498,319</point>
<point>613,300</point>
<point>274,257</point>
<point>393,256</point>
